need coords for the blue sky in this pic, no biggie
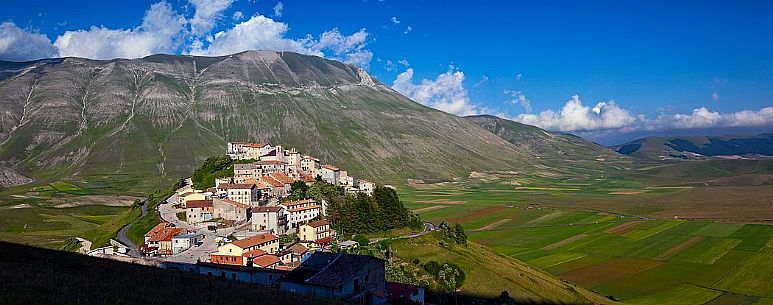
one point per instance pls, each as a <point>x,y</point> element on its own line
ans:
<point>607,70</point>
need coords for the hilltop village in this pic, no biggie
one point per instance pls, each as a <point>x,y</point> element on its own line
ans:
<point>247,228</point>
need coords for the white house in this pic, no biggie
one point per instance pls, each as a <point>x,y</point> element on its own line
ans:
<point>272,219</point>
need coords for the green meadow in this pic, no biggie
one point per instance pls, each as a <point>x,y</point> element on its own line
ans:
<point>631,256</point>
<point>46,215</point>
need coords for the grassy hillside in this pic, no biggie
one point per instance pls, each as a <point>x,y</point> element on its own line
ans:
<point>697,147</point>
<point>566,154</point>
<point>38,276</point>
<point>488,273</point>
<point>132,124</point>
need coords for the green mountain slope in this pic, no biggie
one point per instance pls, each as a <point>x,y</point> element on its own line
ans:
<point>566,153</point>
<point>131,124</point>
<point>697,147</point>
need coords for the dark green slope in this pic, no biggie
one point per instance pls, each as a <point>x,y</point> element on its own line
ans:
<point>135,123</point>
<point>697,147</point>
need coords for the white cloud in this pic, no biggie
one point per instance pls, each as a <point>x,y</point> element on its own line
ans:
<point>718,82</point>
<point>160,32</point>
<point>394,20</point>
<point>518,76</point>
<point>238,15</point>
<point>484,79</point>
<point>349,49</point>
<point>408,29</point>
<point>263,33</point>
<point>404,62</point>
<point>518,98</point>
<point>257,33</point>
<point>445,93</point>
<point>278,8</point>
<point>207,13</point>
<point>704,118</point>
<point>17,44</point>
<point>575,116</point>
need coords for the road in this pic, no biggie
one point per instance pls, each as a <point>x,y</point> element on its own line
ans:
<point>122,238</point>
<point>208,245</point>
<point>428,227</point>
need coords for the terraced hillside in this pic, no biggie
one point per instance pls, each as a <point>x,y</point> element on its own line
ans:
<point>134,123</point>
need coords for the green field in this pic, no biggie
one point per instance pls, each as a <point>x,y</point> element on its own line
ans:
<point>46,215</point>
<point>633,255</point>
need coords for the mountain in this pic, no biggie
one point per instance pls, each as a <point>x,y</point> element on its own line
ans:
<point>571,153</point>
<point>697,147</point>
<point>129,124</point>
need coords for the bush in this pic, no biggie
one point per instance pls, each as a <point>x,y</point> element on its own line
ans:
<point>454,232</point>
<point>362,240</point>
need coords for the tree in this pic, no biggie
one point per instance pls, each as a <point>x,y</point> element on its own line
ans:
<point>298,191</point>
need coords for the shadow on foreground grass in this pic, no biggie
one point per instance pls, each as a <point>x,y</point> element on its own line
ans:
<point>31,275</point>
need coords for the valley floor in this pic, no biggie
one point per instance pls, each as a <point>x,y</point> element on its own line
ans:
<point>639,253</point>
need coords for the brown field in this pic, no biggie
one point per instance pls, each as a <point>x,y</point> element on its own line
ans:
<point>432,208</point>
<point>612,269</point>
<point>678,248</point>
<point>443,201</point>
<point>565,242</point>
<point>720,203</point>
<point>623,228</point>
<point>105,200</point>
<point>479,213</point>
<point>493,225</point>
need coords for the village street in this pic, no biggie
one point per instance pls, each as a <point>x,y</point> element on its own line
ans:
<point>208,244</point>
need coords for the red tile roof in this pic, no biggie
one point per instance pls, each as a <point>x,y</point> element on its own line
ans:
<point>265,260</point>
<point>268,162</point>
<point>254,253</point>
<point>228,186</point>
<point>324,241</point>
<point>253,145</point>
<point>271,181</point>
<point>256,240</point>
<point>307,178</point>
<point>198,204</point>
<point>165,234</point>
<point>157,228</point>
<point>290,204</point>
<point>272,209</point>
<point>318,223</point>
<point>330,167</point>
<point>281,177</point>
<point>235,203</point>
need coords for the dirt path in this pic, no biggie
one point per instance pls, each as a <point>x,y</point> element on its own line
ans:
<point>621,229</point>
<point>564,242</point>
<point>493,225</point>
<point>678,248</point>
<point>432,208</point>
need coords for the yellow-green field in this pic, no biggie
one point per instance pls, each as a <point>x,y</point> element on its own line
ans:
<point>632,253</point>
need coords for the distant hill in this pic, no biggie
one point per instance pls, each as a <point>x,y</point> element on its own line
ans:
<point>697,147</point>
<point>135,123</point>
<point>566,152</point>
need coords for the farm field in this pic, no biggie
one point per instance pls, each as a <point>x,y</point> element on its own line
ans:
<point>46,215</point>
<point>631,254</point>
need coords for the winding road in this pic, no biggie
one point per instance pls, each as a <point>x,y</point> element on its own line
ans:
<point>134,251</point>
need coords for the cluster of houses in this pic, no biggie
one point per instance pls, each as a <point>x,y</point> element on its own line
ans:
<point>274,166</point>
<point>166,239</point>
<point>254,198</point>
